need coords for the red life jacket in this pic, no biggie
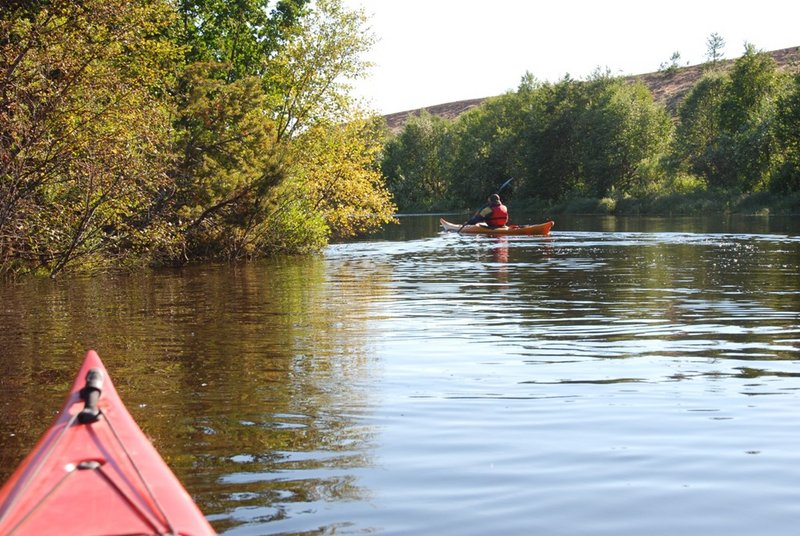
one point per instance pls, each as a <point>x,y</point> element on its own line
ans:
<point>498,217</point>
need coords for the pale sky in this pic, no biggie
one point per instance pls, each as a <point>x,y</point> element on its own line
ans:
<point>436,51</point>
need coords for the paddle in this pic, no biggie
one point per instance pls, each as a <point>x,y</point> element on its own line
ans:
<point>497,192</point>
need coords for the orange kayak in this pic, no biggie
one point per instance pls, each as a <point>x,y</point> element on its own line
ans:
<point>95,472</point>
<point>542,229</point>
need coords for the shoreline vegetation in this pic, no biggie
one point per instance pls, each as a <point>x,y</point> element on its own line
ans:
<point>719,137</point>
<point>675,204</point>
<point>152,133</point>
<point>157,133</point>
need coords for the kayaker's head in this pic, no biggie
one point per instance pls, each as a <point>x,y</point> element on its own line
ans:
<point>494,199</point>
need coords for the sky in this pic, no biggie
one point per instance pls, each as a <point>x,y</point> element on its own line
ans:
<point>437,51</point>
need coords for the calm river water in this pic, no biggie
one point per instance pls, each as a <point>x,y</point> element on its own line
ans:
<point>620,377</point>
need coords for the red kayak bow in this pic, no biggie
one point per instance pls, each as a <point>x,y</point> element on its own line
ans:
<point>95,472</point>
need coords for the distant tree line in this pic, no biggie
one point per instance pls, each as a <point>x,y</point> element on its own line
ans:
<point>161,131</point>
<point>606,140</point>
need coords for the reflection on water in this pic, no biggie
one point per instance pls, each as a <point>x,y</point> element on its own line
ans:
<point>618,377</point>
<point>247,366</point>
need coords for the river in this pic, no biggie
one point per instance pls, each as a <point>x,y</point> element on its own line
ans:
<point>619,377</point>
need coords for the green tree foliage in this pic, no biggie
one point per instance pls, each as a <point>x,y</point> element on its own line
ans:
<point>239,137</point>
<point>340,179</point>
<point>484,149</point>
<point>415,163</point>
<point>550,140</point>
<point>673,64</point>
<point>726,133</point>
<point>309,79</point>
<point>230,160</point>
<point>786,179</point>
<point>276,72</point>
<point>84,128</point>
<point>736,130</point>
<point>594,137</point>
<point>715,45</point>
<point>699,124</point>
<point>242,35</point>
<point>626,134</point>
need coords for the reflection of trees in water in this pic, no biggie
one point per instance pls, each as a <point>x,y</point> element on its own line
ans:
<point>249,365</point>
<point>291,350</point>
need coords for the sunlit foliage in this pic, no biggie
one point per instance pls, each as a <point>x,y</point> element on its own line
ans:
<point>84,129</point>
<point>308,80</point>
<point>341,176</point>
<point>571,138</point>
<point>153,131</point>
<point>727,129</point>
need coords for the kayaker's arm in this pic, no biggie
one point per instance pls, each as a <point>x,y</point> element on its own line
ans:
<point>480,215</point>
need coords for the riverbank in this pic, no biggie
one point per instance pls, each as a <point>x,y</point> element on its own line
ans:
<point>675,204</point>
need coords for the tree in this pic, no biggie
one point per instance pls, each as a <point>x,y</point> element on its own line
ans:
<point>166,131</point>
<point>786,178</point>
<point>238,132</point>
<point>309,79</point>
<point>625,133</point>
<point>699,126</point>
<point>242,35</point>
<point>592,137</point>
<point>340,179</point>
<point>415,163</point>
<point>753,90</point>
<point>715,45</point>
<point>741,154</point>
<point>549,140</point>
<point>485,149</point>
<point>230,159</point>
<point>672,66</point>
<point>84,130</point>
<point>726,132</point>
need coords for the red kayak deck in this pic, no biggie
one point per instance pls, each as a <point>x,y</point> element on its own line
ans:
<point>541,229</point>
<point>100,476</point>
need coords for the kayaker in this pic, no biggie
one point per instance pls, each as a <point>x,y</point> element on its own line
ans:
<point>494,214</point>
